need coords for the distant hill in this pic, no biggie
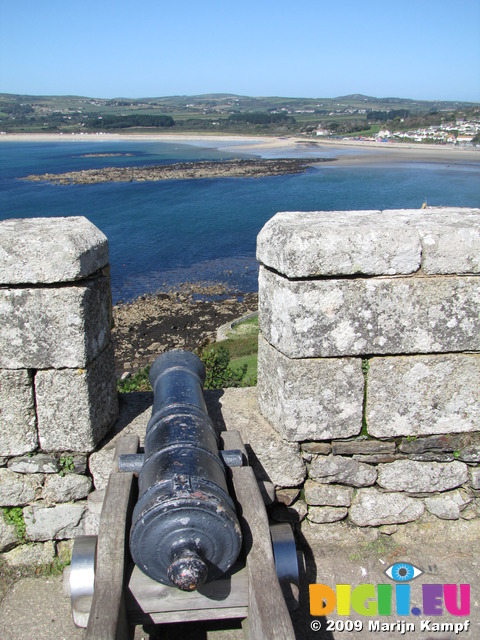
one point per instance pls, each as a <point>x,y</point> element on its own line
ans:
<point>213,112</point>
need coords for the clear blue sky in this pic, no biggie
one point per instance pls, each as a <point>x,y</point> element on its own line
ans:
<point>425,49</point>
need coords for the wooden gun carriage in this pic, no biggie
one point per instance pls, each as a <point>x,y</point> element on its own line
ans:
<point>249,571</point>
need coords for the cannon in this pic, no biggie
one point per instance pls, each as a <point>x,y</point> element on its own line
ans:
<point>184,526</point>
<point>196,543</point>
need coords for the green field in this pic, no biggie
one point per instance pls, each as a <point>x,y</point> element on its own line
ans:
<point>211,113</point>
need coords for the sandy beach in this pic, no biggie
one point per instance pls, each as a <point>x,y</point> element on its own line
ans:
<point>346,152</point>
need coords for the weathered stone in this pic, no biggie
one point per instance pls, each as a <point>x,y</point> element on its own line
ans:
<point>341,470</point>
<point>321,515</point>
<point>271,457</point>
<point>91,523</point>
<point>420,395</point>
<point>470,454</point>
<point>47,250</point>
<point>391,242</point>
<point>421,477</point>
<point>310,399</point>
<point>54,327</point>
<point>287,496</point>
<point>79,464</point>
<point>76,425</point>
<point>100,465</point>
<point>354,316</point>
<point>375,458</point>
<point>443,442</point>
<point>321,448</point>
<point>8,534</point>
<point>67,488</point>
<point>64,551</point>
<point>475,478</point>
<point>388,529</point>
<point>17,489</point>
<point>448,505</point>
<point>31,555</point>
<point>450,238</point>
<point>54,523</point>
<point>326,243</point>
<point>39,463</point>
<point>432,457</point>
<point>18,424</point>
<point>327,494</point>
<point>352,447</point>
<point>371,508</point>
<point>470,512</point>
<point>95,501</point>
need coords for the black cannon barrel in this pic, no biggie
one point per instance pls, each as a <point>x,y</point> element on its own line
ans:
<point>184,527</point>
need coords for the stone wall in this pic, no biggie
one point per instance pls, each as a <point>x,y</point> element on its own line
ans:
<point>369,359</point>
<point>58,394</point>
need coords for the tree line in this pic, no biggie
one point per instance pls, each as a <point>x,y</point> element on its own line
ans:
<point>134,120</point>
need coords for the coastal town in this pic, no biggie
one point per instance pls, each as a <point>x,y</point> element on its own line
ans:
<point>462,132</point>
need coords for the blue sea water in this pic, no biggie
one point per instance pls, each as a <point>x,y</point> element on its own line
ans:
<point>165,233</point>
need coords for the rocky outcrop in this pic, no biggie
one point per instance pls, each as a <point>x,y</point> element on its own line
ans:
<point>180,171</point>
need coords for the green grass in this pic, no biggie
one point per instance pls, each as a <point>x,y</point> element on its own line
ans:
<point>242,346</point>
<point>242,340</point>
<point>250,378</point>
<point>138,382</point>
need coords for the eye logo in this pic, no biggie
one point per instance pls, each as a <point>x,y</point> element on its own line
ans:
<point>403,572</point>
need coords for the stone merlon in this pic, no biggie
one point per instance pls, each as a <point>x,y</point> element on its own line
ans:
<point>374,243</point>
<point>75,248</point>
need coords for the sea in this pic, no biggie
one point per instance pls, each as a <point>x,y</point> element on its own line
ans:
<point>164,234</point>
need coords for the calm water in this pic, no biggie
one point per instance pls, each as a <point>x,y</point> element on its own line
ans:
<point>165,233</point>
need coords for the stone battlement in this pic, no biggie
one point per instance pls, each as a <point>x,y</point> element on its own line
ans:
<point>369,356</point>
<point>58,395</point>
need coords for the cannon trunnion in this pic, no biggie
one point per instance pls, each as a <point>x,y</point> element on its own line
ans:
<point>199,539</point>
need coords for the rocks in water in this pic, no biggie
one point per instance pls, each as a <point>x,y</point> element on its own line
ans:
<point>181,171</point>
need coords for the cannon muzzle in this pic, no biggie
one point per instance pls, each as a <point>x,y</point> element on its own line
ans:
<point>184,527</point>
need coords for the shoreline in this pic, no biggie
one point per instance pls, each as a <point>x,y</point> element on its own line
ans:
<point>186,317</point>
<point>351,152</point>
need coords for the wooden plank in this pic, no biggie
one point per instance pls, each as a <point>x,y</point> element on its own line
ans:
<point>268,617</point>
<point>193,616</point>
<point>146,596</point>
<point>108,618</point>
<point>233,440</point>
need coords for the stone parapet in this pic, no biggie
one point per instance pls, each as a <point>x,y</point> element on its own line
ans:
<point>58,396</point>
<point>44,327</point>
<point>59,419</point>
<point>422,395</point>
<point>371,243</point>
<point>332,410</point>
<point>50,250</point>
<point>369,357</point>
<point>18,432</point>
<point>351,317</point>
